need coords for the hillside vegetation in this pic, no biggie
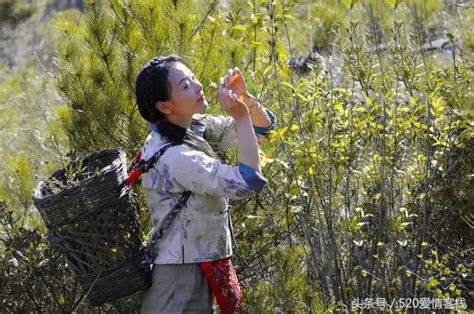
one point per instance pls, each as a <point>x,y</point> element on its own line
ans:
<point>370,169</point>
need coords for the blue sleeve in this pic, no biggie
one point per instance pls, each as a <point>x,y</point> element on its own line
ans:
<point>264,131</point>
<point>254,180</point>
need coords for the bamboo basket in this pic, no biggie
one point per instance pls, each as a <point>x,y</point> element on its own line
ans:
<point>94,220</point>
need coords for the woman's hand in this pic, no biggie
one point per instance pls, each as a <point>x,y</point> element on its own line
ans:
<point>235,81</point>
<point>231,104</point>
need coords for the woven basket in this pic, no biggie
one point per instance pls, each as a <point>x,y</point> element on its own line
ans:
<point>99,185</point>
<point>113,283</point>
<point>99,231</point>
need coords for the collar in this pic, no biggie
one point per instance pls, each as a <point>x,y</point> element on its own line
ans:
<point>168,128</point>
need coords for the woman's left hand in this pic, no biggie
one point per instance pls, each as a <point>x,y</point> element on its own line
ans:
<point>235,81</point>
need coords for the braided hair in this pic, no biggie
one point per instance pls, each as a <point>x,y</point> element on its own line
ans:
<point>152,85</point>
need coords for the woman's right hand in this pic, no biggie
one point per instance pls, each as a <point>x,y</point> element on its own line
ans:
<point>231,103</point>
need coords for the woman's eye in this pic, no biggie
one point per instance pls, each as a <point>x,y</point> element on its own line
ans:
<point>186,86</point>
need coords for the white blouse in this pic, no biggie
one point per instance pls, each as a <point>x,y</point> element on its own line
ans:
<point>200,232</point>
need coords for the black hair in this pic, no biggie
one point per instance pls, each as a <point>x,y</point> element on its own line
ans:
<point>152,85</point>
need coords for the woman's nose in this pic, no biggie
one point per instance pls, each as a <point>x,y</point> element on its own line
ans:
<point>198,87</point>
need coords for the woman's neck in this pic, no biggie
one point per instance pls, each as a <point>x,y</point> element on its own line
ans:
<point>184,122</point>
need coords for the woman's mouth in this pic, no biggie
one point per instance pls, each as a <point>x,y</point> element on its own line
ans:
<point>201,99</point>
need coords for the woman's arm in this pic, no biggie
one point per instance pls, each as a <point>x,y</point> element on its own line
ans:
<point>222,130</point>
<point>182,168</point>
<point>248,146</point>
<point>237,109</point>
<point>195,171</point>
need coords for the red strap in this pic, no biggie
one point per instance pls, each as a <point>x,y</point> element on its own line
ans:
<point>135,166</point>
<point>132,176</point>
<point>138,156</point>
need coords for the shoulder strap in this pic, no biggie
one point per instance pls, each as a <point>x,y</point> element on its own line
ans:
<point>140,166</point>
<point>136,169</point>
<point>149,256</point>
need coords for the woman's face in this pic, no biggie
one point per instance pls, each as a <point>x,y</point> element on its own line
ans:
<point>187,96</point>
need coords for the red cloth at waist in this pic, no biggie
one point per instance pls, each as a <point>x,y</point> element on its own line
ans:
<point>224,284</point>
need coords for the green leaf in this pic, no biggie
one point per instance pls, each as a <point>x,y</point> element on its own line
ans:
<point>287,84</point>
<point>61,299</point>
<point>339,107</point>
<point>294,127</point>
<point>254,18</point>
<point>432,283</point>
<point>350,3</point>
<point>239,27</point>
<point>394,3</point>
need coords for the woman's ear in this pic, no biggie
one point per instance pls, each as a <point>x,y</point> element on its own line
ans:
<point>163,107</point>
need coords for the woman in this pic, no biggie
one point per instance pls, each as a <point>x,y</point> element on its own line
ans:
<point>193,256</point>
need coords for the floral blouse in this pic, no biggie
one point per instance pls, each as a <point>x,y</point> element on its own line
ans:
<point>200,232</point>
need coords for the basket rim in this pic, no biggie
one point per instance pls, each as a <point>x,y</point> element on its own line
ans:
<point>37,194</point>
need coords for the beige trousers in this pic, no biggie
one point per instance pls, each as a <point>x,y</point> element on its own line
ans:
<point>180,288</point>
